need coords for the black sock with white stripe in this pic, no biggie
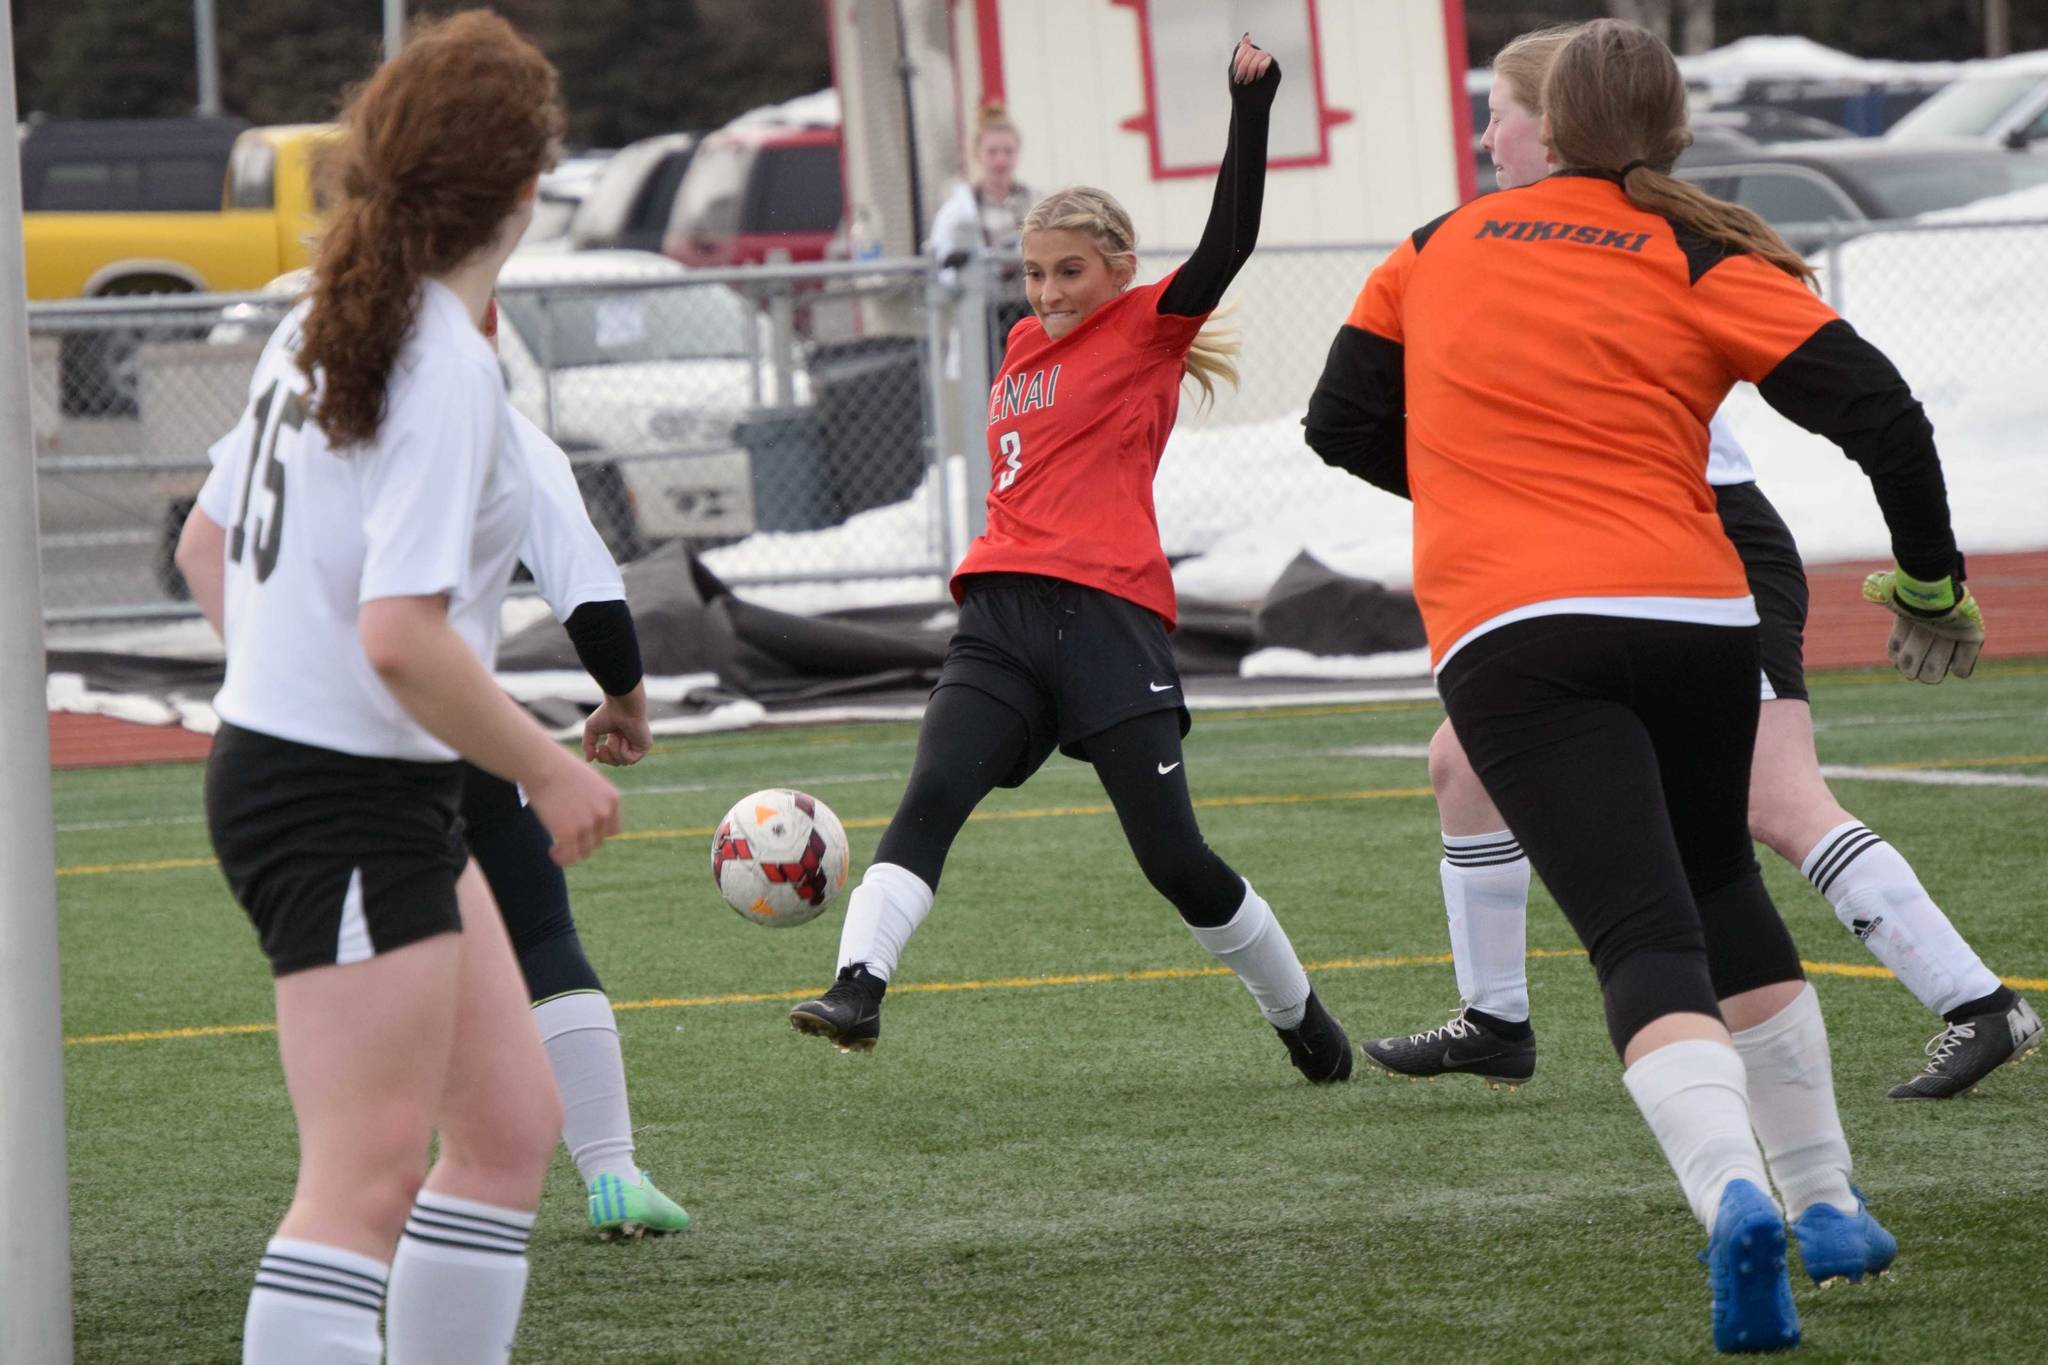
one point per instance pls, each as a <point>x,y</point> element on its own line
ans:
<point>1878,898</point>
<point>457,1282</point>
<point>314,1305</point>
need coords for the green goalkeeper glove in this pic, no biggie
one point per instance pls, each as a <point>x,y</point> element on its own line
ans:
<point>1938,629</point>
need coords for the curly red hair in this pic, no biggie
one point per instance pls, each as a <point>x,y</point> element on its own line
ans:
<point>436,149</point>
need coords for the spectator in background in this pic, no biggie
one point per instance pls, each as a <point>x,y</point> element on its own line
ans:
<point>989,210</point>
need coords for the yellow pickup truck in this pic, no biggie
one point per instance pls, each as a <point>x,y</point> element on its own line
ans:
<point>267,211</point>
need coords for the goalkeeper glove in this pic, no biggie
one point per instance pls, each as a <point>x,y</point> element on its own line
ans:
<point>1938,629</point>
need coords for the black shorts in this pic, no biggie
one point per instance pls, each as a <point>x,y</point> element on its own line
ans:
<point>1072,661</point>
<point>1777,580</point>
<point>336,857</point>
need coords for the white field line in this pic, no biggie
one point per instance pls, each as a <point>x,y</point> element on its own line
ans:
<point>1931,777</point>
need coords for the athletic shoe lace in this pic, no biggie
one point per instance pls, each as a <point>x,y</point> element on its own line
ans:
<point>1457,1026</point>
<point>1944,1044</point>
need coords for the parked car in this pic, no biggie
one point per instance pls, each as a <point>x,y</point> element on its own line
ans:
<point>644,383</point>
<point>150,165</point>
<point>562,190</point>
<point>629,204</point>
<point>766,182</point>
<point>1802,188</point>
<point>101,220</point>
<point>2002,103</point>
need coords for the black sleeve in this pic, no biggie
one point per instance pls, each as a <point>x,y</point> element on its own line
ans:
<point>1840,386</point>
<point>607,645</point>
<point>1233,227</point>
<point>1358,417</point>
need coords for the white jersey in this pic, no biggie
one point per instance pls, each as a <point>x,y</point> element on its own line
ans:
<point>561,549</point>
<point>436,504</point>
<point>1727,461</point>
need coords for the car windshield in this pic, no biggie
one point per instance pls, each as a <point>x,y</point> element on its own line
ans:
<point>1969,108</point>
<point>626,326</point>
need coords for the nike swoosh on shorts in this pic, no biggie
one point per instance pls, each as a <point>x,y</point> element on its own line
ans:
<point>1166,768</point>
<point>1156,687</point>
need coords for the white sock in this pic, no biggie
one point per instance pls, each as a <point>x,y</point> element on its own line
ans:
<point>1792,1106</point>
<point>582,1042</point>
<point>881,915</point>
<point>1693,1096</point>
<point>1252,944</point>
<point>1878,899</point>
<point>314,1305</point>
<point>457,1282</point>
<point>1486,900</point>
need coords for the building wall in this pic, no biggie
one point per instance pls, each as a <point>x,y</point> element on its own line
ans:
<point>1073,75</point>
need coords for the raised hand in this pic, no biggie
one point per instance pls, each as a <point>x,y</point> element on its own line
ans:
<point>1249,63</point>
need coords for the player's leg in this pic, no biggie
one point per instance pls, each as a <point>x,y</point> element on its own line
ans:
<point>968,744</point>
<point>1878,898</point>
<point>1140,764</point>
<point>1545,709</point>
<point>459,1278</point>
<point>1874,891</point>
<point>365,1050</point>
<point>1704,732</point>
<point>1485,878</point>
<point>569,1006</point>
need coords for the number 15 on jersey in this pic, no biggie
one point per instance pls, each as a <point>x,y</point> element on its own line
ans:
<point>1011,447</point>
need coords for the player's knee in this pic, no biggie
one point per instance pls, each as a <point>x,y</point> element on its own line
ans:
<point>1451,778</point>
<point>1648,982</point>
<point>512,1142</point>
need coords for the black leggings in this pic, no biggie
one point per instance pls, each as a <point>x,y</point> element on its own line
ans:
<point>1619,752</point>
<point>510,846</point>
<point>970,741</point>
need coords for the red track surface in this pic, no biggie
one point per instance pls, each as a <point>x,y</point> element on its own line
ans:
<point>1842,631</point>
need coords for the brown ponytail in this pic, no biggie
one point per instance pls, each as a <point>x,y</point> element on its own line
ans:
<point>436,148</point>
<point>1615,102</point>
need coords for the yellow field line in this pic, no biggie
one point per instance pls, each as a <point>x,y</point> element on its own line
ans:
<point>1864,971</point>
<point>867,822</point>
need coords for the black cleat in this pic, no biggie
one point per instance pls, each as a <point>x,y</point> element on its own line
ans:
<point>1317,1045</point>
<point>1461,1047</point>
<point>850,1014</point>
<point>1966,1052</point>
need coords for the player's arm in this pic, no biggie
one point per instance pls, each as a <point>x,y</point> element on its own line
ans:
<point>1233,227</point>
<point>574,571</point>
<point>1814,369</point>
<point>201,557</point>
<point>1358,416</point>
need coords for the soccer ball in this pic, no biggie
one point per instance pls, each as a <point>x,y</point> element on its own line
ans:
<point>779,857</point>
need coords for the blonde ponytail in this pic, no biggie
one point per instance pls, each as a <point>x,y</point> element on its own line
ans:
<point>1212,356</point>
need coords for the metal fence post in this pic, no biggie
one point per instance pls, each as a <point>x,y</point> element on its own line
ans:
<point>970,394</point>
<point>35,1231</point>
<point>782,336</point>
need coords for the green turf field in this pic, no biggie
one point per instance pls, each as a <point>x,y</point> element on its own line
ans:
<point>1076,1141</point>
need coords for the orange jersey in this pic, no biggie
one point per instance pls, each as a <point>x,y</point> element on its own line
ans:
<point>1560,354</point>
<point>1076,428</point>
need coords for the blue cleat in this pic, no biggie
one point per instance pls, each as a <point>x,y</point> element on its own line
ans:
<point>1746,1263</point>
<point>1837,1246</point>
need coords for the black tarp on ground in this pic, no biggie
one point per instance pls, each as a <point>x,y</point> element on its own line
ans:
<point>691,623</point>
<point>1313,607</point>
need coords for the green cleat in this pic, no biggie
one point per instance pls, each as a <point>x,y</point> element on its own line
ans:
<point>618,1209</point>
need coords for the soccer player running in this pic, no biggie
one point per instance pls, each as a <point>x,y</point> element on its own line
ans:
<point>576,575</point>
<point>1066,599</point>
<point>353,545</point>
<point>1872,888</point>
<point>1591,627</point>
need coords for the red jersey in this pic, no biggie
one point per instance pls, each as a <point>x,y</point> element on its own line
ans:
<point>1075,431</point>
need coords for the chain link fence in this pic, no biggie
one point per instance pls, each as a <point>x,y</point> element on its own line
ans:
<point>818,431</point>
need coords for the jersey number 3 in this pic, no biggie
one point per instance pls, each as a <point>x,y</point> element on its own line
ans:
<point>1012,447</point>
<point>263,452</point>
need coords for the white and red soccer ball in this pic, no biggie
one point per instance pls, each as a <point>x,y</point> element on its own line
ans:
<point>779,857</point>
